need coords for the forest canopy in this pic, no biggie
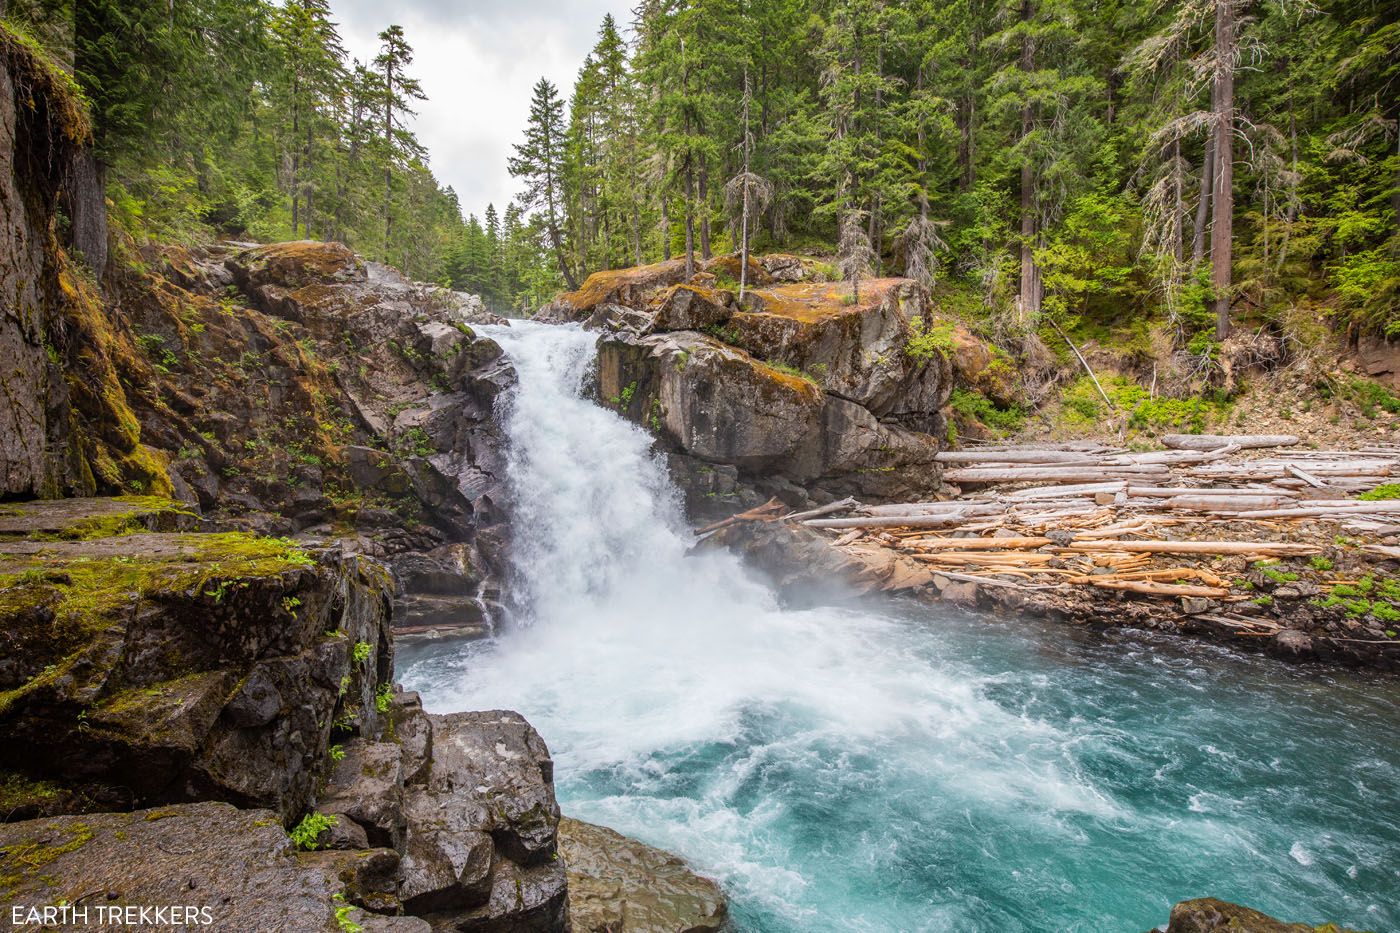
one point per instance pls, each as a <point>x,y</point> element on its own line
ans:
<point>1201,161</point>
<point>1205,161</point>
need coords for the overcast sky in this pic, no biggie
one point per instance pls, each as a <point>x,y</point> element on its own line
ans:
<point>477,61</point>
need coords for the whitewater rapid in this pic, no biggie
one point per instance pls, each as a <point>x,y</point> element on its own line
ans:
<point>889,769</point>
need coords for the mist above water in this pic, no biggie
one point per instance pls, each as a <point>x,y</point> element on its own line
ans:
<point>889,768</point>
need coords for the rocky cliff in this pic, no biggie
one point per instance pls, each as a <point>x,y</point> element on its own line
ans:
<point>280,389</point>
<point>800,391</point>
<point>182,682</point>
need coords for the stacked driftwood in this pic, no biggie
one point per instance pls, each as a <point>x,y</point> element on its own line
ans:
<point>1155,523</point>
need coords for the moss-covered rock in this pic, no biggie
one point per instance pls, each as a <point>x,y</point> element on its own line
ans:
<point>181,666</point>
<point>85,519</point>
<point>857,350</point>
<point>711,400</point>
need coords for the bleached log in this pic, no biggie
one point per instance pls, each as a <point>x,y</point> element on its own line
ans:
<point>1196,547</point>
<point>1347,508</point>
<point>1156,589</point>
<point>990,581</point>
<point>1075,489</point>
<point>1305,476</point>
<point>1171,492</point>
<point>1214,441</point>
<point>934,508</point>
<point>890,521</point>
<point>1028,455</point>
<point>977,544</point>
<point>1051,474</point>
<point>1226,503</point>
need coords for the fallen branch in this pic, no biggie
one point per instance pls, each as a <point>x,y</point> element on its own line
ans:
<point>1149,588</point>
<point>844,505</point>
<point>974,544</point>
<point>766,512</point>
<point>1085,363</point>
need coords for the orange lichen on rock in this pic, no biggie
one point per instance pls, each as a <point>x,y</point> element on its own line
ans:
<point>622,286</point>
<point>812,302</point>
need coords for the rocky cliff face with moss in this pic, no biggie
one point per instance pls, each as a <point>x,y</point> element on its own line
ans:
<point>803,389</point>
<point>195,707</point>
<point>283,389</point>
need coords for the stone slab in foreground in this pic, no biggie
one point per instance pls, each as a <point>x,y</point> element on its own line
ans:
<point>223,868</point>
<point>620,885</point>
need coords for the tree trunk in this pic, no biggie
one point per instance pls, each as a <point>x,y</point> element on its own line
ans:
<point>307,167</point>
<point>389,155</point>
<point>296,167</point>
<point>704,209</point>
<point>1223,214</point>
<point>665,227</point>
<point>87,205</point>
<point>1198,239</point>
<point>1030,275</point>
<point>689,219</point>
<point>1178,207</point>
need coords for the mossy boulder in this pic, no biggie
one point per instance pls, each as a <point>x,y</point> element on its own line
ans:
<point>89,518</point>
<point>187,666</point>
<point>691,307</point>
<point>982,367</point>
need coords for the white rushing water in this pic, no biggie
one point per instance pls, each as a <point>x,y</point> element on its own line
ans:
<point>884,770</point>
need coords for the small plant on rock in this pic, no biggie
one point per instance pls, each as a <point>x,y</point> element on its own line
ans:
<point>306,835</point>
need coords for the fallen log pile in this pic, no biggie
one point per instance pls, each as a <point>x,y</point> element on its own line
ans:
<point>1211,528</point>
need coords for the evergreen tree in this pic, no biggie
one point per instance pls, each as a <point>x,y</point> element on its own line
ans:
<point>539,161</point>
<point>399,146</point>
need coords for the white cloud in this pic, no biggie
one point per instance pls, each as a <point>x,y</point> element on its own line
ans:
<point>478,62</point>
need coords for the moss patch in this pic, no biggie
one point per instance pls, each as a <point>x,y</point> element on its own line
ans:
<point>27,858</point>
<point>55,601</point>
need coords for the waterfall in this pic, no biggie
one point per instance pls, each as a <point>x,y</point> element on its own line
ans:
<point>899,768</point>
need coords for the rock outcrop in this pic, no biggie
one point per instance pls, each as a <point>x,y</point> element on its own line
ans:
<point>613,287</point>
<point>620,885</point>
<point>178,672</point>
<point>805,393</point>
<point>66,425</point>
<point>280,389</point>
<point>148,668</point>
<point>1208,915</point>
<point>467,799</point>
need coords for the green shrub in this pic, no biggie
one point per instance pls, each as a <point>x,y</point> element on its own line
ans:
<point>930,340</point>
<point>970,405</point>
<point>1383,491</point>
<point>1084,407</point>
